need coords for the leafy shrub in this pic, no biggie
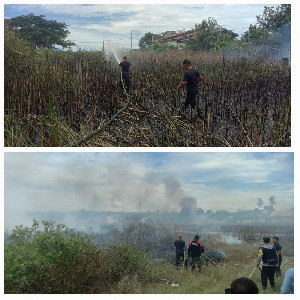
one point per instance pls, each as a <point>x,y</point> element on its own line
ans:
<point>59,260</point>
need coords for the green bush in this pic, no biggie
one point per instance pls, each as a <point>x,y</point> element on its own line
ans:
<point>59,260</point>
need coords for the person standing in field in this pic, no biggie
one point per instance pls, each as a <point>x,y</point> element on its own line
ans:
<point>191,79</point>
<point>195,250</point>
<point>180,248</point>
<point>125,79</point>
<point>278,250</point>
<point>267,254</point>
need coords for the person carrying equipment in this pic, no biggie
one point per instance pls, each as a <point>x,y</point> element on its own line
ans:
<point>125,80</point>
<point>194,251</point>
<point>180,249</point>
<point>278,250</point>
<point>267,254</point>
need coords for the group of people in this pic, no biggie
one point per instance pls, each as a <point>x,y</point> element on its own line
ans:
<point>195,250</point>
<point>191,79</point>
<point>269,255</point>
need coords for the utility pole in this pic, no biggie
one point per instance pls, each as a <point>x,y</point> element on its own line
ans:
<point>103,46</point>
<point>131,40</point>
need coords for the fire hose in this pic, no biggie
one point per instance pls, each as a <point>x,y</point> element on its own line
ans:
<point>209,259</point>
<point>286,261</point>
<point>253,271</point>
<point>184,260</point>
<point>124,89</point>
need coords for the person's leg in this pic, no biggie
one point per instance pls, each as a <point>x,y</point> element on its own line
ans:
<point>193,263</point>
<point>264,276</point>
<point>271,275</point>
<point>279,264</point>
<point>177,258</point>
<point>127,81</point>
<point>193,102</point>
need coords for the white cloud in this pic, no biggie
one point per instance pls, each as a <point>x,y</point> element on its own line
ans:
<point>89,24</point>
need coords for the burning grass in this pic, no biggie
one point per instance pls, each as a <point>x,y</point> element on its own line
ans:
<point>73,99</point>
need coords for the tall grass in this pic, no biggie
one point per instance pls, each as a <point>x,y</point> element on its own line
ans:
<point>60,98</point>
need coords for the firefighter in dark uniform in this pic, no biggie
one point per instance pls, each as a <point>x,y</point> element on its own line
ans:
<point>267,254</point>
<point>125,79</point>
<point>180,248</point>
<point>194,251</point>
<point>278,247</point>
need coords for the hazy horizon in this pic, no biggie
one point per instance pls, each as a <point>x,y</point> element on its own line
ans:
<point>158,181</point>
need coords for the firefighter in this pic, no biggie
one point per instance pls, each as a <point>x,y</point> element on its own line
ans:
<point>191,80</point>
<point>125,81</point>
<point>194,251</point>
<point>278,247</point>
<point>267,254</point>
<point>180,249</point>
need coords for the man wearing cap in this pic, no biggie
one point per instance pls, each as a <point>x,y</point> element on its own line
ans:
<point>278,247</point>
<point>267,254</point>
<point>125,80</point>
<point>191,80</point>
<point>194,251</point>
<point>180,248</point>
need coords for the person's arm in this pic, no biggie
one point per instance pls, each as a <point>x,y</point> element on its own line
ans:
<point>202,249</point>
<point>288,282</point>
<point>260,255</point>
<point>200,79</point>
<point>120,66</point>
<point>279,251</point>
<point>183,83</point>
<point>189,250</point>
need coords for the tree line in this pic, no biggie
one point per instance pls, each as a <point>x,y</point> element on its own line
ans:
<point>273,29</point>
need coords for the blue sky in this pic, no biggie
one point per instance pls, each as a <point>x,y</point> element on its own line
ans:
<point>117,181</point>
<point>90,24</point>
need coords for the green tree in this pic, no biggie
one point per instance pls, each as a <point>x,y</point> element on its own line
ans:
<point>211,36</point>
<point>273,27</point>
<point>41,32</point>
<point>146,40</point>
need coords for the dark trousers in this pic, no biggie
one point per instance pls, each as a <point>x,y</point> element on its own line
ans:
<point>278,271</point>
<point>196,261</point>
<point>267,272</point>
<point>191,98</point>
<point>179,257</point>
<point>126,82</point>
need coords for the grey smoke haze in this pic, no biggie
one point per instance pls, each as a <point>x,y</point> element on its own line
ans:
<point>157,181</point>
<point>189,202</point>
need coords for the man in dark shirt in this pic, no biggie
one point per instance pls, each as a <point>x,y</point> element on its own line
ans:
<point>278,247</point>
<point>195,250</point>
<point>191,79</point>
<point>125,80</point>
<point>180,248</point>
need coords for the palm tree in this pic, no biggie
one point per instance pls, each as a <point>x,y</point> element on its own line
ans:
<point>272,202</point>
<point>260,203</point>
